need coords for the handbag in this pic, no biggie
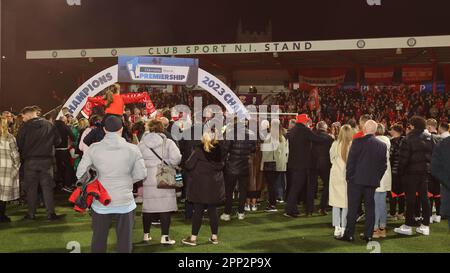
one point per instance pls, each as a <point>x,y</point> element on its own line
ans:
<point>167,176</point>
<point>270,166</point>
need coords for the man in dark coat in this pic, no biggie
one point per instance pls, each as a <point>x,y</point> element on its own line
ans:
<point>299,166</point>
<point>321,168</point>
<point>440,169</point>
<point>238,150</point>
<point>414,167</point>
<point>187,141</point>
<point>366,165</point>
<point>65,171</point>
<point>397,195</point>
<point>36,141</point>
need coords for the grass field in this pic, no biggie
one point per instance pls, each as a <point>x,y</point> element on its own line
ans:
<point>259,232</point>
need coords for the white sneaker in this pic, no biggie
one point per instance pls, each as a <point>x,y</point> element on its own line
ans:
<point>404,229</point>
<point>254,208</point>
<point>436,218</point>
<point>342,231</point>
<point>147,237</point>
<point>423,230</point>
<point>431,219</point>
<point>241,216</point>
<point>247,208</point>
<point>138,200</point>
<point>225,217</point>
<point>165,240</point>
<point>337,231</point>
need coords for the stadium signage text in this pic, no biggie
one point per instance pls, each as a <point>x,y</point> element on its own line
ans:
<point>158,70</point>
<point>230,48</point>
<point>245,48</point>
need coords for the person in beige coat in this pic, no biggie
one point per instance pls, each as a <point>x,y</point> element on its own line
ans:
<point>380,193</point>
<point>158,202</point>
<point>274,149</point>
<point>338,183</point>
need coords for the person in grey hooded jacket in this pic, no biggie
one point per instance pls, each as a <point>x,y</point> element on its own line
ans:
<point>119,165</point>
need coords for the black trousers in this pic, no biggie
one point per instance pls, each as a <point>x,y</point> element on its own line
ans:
<point>39,172</point>
<point>355,194</point>
<point>197,218</point>
<point>271,179</point>
<point>64,168</point>
<point>164,217</point>
<point>413,184</point>
<point>399,199</point>
<point>297,181</point>
<point>188,207</point>
<point>394,202</point>
<point>324,174</point>
<point>434,188</point>
<point>230,184</point>
<point>101,223</point>
<point>2,208</point>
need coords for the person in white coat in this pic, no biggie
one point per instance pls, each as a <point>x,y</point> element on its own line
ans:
<point>380,193</point>
<point>158,202</point>
<point>338,183</point>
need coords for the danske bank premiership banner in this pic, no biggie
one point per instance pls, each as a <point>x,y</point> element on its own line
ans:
<point>158,70</point>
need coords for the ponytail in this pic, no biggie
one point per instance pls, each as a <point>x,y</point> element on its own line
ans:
<point>109,98</point>
<point>113,89</point>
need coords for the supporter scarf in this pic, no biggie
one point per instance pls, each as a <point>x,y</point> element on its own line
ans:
<point>128,98</point>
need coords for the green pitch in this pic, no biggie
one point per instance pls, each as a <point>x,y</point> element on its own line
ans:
<point>259,232</point>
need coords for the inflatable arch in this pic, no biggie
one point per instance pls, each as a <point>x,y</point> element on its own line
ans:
<point>109,76</point>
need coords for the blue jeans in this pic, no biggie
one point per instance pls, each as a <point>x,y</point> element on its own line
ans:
<point>339,217</point>
<point>380,210</point>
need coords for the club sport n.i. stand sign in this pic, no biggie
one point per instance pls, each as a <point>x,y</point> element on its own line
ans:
<point>155,70</point>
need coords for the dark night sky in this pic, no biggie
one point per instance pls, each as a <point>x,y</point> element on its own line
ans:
<point>50,24</point>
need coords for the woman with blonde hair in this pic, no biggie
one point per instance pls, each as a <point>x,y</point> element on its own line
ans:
<point>206,186</point>
<point>9,169</point>
<point>385,186</point>
<point>338,183</point>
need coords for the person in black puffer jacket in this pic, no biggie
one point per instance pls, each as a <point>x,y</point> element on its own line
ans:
<point>397,195</point>
<point>414,167</point>
<point>190,139</point>
<point>237,166</point>
<point>64,169</point>
<point>205,188</point>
